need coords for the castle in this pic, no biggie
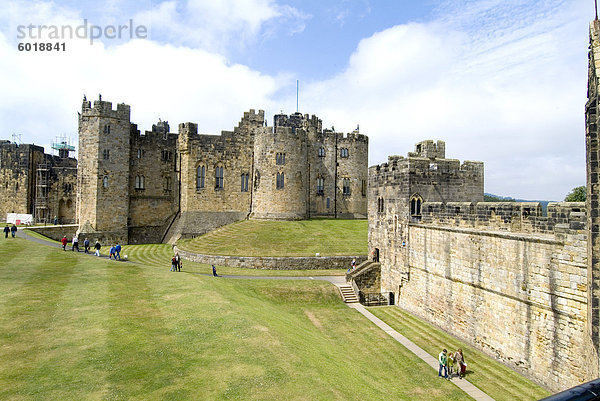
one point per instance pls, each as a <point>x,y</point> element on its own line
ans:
<point>157,186</point>
<point>33,182</point>
<point>521,286</point>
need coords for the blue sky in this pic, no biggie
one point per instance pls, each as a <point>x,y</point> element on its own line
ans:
<point>501,81</point>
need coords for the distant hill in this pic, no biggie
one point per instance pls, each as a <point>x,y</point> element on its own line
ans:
<point>496,198</point>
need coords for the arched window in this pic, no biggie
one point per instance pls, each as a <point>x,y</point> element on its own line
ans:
<point>280,180</point>
<point>415,206</point>
<point>139,182</point>
<point>344,152</point>
<point>200,176</point>
<point>105,181</point>
<point>280,159</point>
<point>219,178</point>
<point>320,186</point>
<point>346,186</point>
<point>321,151</point>
<point>244,184</point>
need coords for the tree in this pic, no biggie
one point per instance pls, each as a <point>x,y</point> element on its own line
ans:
<point>576,195</point>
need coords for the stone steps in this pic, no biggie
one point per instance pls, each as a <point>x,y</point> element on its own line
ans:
<point>348,294</point>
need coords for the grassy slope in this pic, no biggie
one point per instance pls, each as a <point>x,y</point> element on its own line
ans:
<point>283,238</point>
<point>78,327</point>
<point>500,382</point>
<point>160,255</point>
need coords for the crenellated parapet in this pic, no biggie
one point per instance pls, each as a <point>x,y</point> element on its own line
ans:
<point>516,217</point>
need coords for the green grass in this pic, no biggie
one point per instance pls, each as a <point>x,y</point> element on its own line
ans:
<point>159,255</point>
<point>329,237</point>
<point>76,327</point>
<point>495,379</point>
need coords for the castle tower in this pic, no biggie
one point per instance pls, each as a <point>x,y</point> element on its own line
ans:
<point>593,195</point>
<point>103,170</point>
<point>281,171</point>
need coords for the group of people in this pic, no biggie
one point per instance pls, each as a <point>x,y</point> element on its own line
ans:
<point>12,230</point>
<point>352,265</point>
<point>451,364</point>
<point>176,263</point>
<point>115,250</point>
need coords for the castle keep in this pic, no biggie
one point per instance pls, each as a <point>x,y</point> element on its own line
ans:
<point>158,186</point>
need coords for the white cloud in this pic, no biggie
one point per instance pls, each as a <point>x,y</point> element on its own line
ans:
<point>507,88</point>
<point>218,25</point>
<point>498,81</point>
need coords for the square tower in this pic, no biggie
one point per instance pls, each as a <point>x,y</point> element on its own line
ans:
<point>103,170</point>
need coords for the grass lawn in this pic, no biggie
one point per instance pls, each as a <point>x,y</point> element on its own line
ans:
<point>160,255</point>
<point>498,381</point>
<point>76,327</point>
<point>329,237</point>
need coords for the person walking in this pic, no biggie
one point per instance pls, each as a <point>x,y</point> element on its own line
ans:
<point>13,230</point>
<point>75,243</point>
<point>86,245</point>
<point>177,262</point>
<point>459,361</point>
<point>118,251</point>
<point>443,360</point>
<point>214,269</point>
<point>6,231</point>
<point>97,247</point>
<point>64,242</point>
<point>112,253</point>
<point>173,264</point>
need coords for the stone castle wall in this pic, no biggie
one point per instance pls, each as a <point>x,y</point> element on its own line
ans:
<point>521,297</point>
<point>500,276</point>
<point>592,139</point>
<point>208,180</point>
<point>103,170</point>
<point>290,200</point>
<point>20,182</point>
<point>153,184</point>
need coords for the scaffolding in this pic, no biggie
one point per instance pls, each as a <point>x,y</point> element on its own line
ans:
<point>42,188</point>
<point>63,147</point>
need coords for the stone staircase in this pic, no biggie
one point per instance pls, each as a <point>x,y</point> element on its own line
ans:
<point>348,294</point>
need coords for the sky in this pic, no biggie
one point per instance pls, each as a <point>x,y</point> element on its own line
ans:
<point>500,81</point>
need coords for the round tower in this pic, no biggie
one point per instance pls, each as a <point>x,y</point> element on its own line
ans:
<point>280,173</point>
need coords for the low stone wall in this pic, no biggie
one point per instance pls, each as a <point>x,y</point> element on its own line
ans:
<point>56,232</point>
<point>273,263</point>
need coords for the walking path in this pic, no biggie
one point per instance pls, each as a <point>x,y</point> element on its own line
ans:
<point>464,385</point>
<point>23,234</point>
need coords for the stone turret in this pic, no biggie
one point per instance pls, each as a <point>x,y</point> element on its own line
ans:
<point>103,169</point>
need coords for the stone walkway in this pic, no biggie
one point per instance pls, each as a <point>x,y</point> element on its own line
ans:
<point>464,385</point>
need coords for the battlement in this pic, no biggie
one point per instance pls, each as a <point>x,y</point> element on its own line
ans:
<point>102,108</point>
<point>515,217</point>
<point>428,157</point>
<point>252,118</point>
<point>353,137</point>
<point>430,150</point>
<point>298,120</point>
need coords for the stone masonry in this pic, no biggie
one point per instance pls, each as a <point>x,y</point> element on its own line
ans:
<point>159,186</point>
<point>32,182</point>
<point>500,276</point>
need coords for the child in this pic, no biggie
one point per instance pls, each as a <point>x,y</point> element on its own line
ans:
<point>112,252</point>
